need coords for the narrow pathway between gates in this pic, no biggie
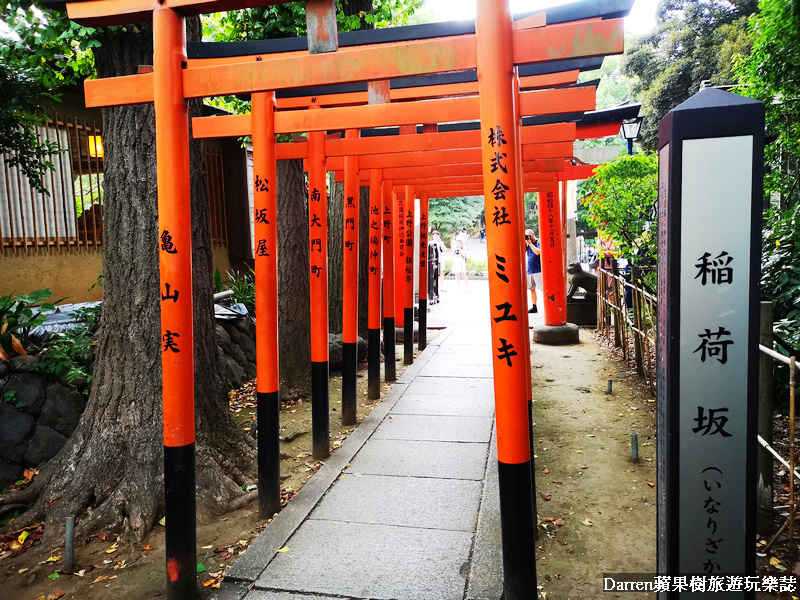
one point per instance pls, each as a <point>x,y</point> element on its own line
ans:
<point>407,508</point>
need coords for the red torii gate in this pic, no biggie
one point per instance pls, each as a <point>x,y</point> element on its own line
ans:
<point>493,50</point>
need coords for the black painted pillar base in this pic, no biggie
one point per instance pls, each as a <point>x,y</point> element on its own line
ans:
<point>389,367</point>
<point>533,467</point>
<point>180,512</point>
<point>423,325</point>
<point>373,364</point>
<point>349,378</point>
<point>320,405</point>
<point>269,453</point>
<point>408,336</point>
<point>517,526</point>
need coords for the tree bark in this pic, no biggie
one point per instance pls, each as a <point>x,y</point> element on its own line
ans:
<point>110,472</point>
<point>335,257</point>
<point>294,295</point>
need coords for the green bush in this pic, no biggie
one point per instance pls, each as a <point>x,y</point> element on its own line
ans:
<point>18,315</point>
<point>780,270</point>
<point>67,356</point>
<point>474,266</point>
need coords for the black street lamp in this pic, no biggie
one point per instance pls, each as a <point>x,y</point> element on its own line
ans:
<point>630,131</point>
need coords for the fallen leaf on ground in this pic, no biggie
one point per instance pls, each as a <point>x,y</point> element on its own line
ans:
<point>22,537</point>
<point>147,547</point>
<point>546,496</point>
<point>163,522</point>
<point>207,547</point>
<point>560,522</point>
<point>56,596</point>
<point>284,549</point>
<point>112,548</point>
<point>651,483</point>
<point>549,519</point>
<point>201,568</point>
<point>100,578</point>
<point>545,471</point>
<point>21,571</point>
<point>53,576</point>
<point>587,522</point>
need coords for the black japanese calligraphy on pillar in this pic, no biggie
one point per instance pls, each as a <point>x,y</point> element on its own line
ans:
<point>260,185</point>
<point>261,216</point>
<point>170,343</point>
<point>167,244</point>
<point>714,345</point>
<point>167,296</point>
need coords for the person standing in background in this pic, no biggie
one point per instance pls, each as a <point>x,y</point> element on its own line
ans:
<point>533,266</point>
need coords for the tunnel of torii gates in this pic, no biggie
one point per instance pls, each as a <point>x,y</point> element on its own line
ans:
<point>474,92</point>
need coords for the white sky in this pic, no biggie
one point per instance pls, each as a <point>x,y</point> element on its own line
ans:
<point>641,20</point>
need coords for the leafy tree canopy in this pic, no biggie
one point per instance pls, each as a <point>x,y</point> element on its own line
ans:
<point>771,75</point>
<point>454,214</point>
<point>621,202</point>
<point>40,53</point>
<point>694,40</point>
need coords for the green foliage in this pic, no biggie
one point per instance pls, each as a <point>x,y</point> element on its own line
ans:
<point>42,52</point>
<point>621,201</point>
<point>771,75</point>
<point>243,286</point>
<point>11,398</point>
<point>454,214</point>
<point>288,20</point>
<point>780,270</point>
<point>66,356</point>
<point>694,40</point>
<point>18,315</point>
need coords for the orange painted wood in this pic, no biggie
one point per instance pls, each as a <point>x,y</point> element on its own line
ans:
<point>174,230</point>
<point>408,271</point>
<point>318,246</point>
<point>402,59</point>
<point>265,204</point>
<point>398,200</point>
<point>598,130</point>
<point>577,172</point>
<point>388,252</point>
<point>374,244</point>
<point>423,246</point>
<point>499,129</point>
<point>350,252</point>
<point>550,232</point>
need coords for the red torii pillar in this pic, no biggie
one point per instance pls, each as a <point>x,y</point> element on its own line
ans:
<point>350,286</point>
<point>512,378</point>
<point>398,198</point>
<point>177,321</point>
<point>265,204</point>
<point>555,330</point>
<point>318,262</point>
<point>389,326</point>
<point>423,270</point>
<point>408,278</point>
<point>374,292</point>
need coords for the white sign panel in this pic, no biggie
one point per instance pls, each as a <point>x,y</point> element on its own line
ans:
<point>715,249</point>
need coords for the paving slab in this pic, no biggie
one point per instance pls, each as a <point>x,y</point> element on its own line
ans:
<point>445,359</point>
<point>450,504</point>
<point>421,459</point>
<point>435,428</point>
<point>448,348</point>
<point>460,371</point>
<point>473,339</point>
<point>434,386</point>
<point>362,561</point>
<point>460,406</point>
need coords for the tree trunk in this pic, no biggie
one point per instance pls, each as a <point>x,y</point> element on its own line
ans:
<point>335,257</point>
<point>294,295</point>
<point>110,472</point>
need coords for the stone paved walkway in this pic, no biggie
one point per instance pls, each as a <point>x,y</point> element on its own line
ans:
<point>407,507</point>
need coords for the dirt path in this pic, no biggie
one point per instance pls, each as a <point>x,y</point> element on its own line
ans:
<point>582,438</point>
